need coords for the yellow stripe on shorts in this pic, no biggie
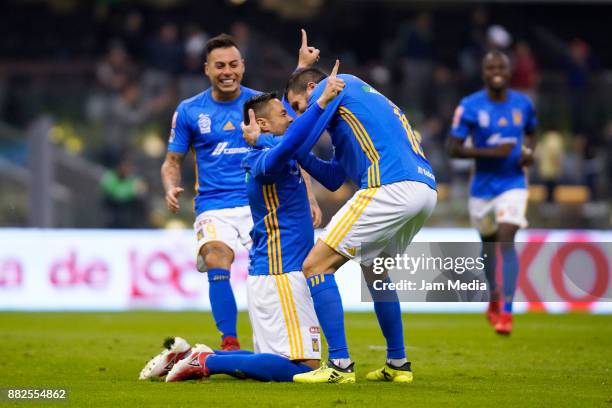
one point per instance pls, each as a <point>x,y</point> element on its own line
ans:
<point>340,230</point>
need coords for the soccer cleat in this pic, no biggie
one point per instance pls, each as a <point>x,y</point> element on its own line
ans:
<point>327,373</point>
<point>230,343</point>
<point>176,348</point>
<point>504,323</point>
<point>192,367</point>
<point>401,374</point>
<point>493,312</point>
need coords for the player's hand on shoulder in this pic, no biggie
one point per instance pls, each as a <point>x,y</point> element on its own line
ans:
<point>251,131</point>
<point>172,196</point>
<point>333,87</point>
<point>307,55</point>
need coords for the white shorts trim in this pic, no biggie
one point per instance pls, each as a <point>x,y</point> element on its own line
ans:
<point>385,217</point>
<point>509,207</point>
<point>283,317</point>
<point>232,226</point>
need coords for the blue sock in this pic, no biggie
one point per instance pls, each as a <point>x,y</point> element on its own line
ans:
<point>260,367</point>
<point>489,248</point>
<point>222,302</point>
<point>328,306</point>
<point>389,314</point>
<point>232,352</point>
<point>511,270</point>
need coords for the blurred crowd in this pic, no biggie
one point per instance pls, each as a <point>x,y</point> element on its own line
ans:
<point>144,70</point>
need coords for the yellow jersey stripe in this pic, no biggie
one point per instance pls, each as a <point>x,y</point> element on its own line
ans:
<point>366,145</point>
<point>271,234</point>
<point>276,204</point>
<point>339,226</point>
<point>296,320</point>
<point>358,136</point>
<point>292,326</point>
<point>355,211</point>
<point>331,238</point>
<point>283,299</point>
<point>273,228</point>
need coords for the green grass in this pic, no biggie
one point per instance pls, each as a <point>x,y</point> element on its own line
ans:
<point>550,360</point>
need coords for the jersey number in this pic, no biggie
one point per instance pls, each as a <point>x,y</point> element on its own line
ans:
<point>414,141</point>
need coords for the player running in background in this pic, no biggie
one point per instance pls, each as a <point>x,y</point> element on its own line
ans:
<point>377,149</point>
<point>286,333</point>
<point>501,122</point>
<point>208,124</point>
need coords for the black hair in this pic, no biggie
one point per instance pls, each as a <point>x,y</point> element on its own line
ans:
<point>220,41</point>
<point>298,81</point>
<point>496,54</point>
<point>258,103</point>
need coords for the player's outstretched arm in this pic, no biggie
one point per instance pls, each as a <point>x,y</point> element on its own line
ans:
<point>307,56</point>
<point>329,173</point>
<point>171,179</point>
<point>315,211</point>
<point>457,150</point>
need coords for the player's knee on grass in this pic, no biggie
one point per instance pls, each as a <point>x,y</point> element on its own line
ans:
<point>217,255</point>
<point>322,259</point>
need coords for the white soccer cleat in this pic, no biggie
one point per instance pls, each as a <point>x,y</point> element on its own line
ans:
<point>176,349</point>
<point>192,367</point>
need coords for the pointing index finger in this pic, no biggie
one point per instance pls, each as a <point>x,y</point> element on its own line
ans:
<point>251,117</point>
<point>304,38</point>
<point>335,69</point>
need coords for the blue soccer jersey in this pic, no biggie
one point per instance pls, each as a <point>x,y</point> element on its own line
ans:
<point>491,123</point>
<point>372,138</point>
<point>282,224</point>
<point>211,129</point>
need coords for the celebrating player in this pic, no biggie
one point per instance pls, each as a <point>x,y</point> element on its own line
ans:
<point>285,327</point>
<point>499,120</point>
<point>377,149</point>
<point>208,124</point>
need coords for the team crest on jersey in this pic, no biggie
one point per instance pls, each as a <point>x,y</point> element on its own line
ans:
<point>483,119</point>
<point>204,123</point>
<point>517,117</point>
<point>315,344</point>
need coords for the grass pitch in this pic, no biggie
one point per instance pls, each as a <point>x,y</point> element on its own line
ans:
<point>550,360</point>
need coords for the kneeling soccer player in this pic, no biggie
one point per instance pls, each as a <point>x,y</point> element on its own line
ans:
<point>285,328</point>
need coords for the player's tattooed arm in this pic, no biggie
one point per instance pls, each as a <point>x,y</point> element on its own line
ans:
<point>315,211</point>
<point>307,56</point>
<point>171,178</point>
<point>457,150</point>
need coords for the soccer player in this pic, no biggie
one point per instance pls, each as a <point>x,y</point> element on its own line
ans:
<point>285,327</point>
<point>500,121</point>
<point>377,149</point>
<point>209,125</point>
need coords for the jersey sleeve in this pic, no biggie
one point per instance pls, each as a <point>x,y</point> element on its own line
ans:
<point>329,173</point>
<point>531,120</point>
<point>180,133</point>
<point>463,121</point>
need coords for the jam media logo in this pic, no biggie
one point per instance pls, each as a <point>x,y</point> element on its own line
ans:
<point>71,272</point>
<point>157,274</point>
<point>11,274</point>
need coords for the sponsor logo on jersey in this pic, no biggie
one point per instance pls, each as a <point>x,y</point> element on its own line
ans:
<point>204,123</point>
<point>426,173</point>
<point>483,119</point>
<point>517,117</point>
<point>229,126</point>
<point>223,149</point>
<point>502,122</point>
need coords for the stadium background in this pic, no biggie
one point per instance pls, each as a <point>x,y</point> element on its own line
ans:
<point>87,90</point>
